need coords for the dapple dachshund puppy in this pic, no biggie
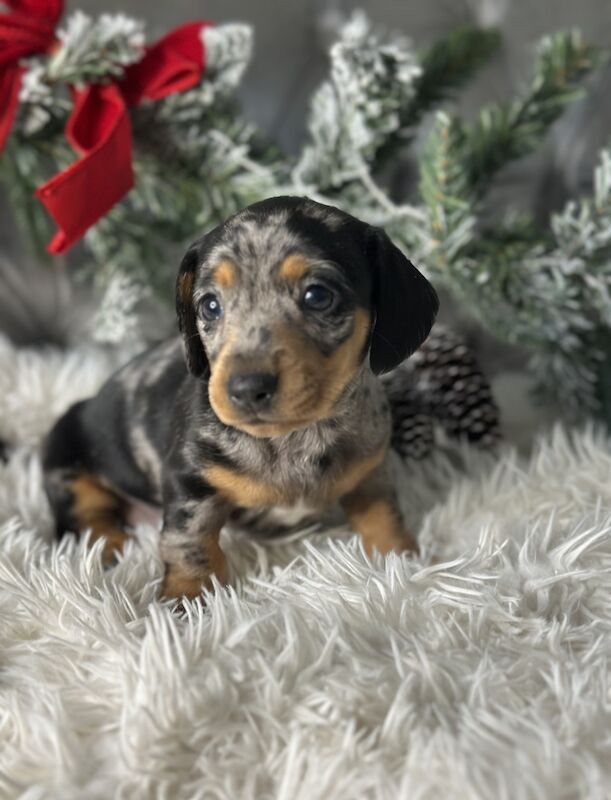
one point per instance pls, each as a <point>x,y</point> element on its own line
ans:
<point>288,311</point>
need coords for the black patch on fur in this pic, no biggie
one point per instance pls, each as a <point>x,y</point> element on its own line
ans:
<point>193,486</point>
<point>211,453</point>
<point>324,462</point>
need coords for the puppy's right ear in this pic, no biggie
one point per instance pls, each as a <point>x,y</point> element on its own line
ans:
<point>194,350</point>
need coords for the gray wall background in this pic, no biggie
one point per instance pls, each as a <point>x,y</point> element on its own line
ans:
<point>290,59</point>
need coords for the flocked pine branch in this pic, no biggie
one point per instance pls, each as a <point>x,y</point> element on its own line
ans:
<point>372,79</point>
<point>94,48</point>
<point>87,50</point>
<point>446,66</point>
<point>555,297</point>
<point>461,159</point>
<point>523,285</point>
<point>505,132</point>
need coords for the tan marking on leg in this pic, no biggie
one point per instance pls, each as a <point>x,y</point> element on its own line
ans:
<point>354,473</point>
<point>379,526</point>
<point>185,579</point>
<point>225,274</point>
<point>97,507</point>
<point>294,267</point>
<point>178,583</point>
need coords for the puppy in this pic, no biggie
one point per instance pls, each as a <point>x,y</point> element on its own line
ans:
<point>288,311</point>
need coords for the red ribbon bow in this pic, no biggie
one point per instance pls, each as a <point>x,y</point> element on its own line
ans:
<point>98,127</point>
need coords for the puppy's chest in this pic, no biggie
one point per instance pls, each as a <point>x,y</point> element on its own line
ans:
<point>314,481</point>
<point>313,467</point>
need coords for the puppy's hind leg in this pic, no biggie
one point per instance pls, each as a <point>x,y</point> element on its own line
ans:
<point>83,502</point>
<point>79,498</point>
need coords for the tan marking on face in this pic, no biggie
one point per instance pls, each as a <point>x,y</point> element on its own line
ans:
<point>185,287</point>
<point>225,274</point>
<point>310,383</point>
<point>217,387</point>
<point>248,491</point>
<point>97,508</point>
<point>294,267</point>
<point>379,525</point>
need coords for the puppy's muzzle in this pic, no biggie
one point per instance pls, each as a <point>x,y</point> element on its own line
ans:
<point>252,391</point>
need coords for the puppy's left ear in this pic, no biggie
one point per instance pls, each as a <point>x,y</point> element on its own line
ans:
<point>404,304</point>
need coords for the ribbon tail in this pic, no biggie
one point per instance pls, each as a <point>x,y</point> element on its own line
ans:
<point>10,83</point>
<point>76,198</point>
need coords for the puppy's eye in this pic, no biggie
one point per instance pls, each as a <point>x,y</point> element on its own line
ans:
<point>318,298</point>
<point>210,307</point>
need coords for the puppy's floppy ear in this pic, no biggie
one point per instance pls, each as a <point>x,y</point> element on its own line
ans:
<point>404,303</point>
<point>194,350</point>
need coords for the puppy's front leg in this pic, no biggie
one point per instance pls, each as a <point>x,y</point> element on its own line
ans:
<point>190,545</point>
<point>373,512</point>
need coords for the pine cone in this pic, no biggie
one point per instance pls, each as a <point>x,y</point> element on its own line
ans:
<point>441,384</point>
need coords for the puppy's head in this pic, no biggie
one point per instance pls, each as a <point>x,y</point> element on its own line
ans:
<point>281,305</point>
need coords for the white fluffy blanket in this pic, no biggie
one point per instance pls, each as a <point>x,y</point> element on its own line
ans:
<point>318,674</point>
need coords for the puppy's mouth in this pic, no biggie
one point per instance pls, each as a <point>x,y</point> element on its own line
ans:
<point>296,423</point>
<point>281,416</point>
<point>272,426</point>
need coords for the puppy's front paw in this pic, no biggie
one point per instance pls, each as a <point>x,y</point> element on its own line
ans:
<point>180,583</point>
<point>380,525</point>
<point>177,585</point>
<point>392,541</point>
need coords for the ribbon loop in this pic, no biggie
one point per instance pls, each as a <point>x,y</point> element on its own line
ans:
<point>173,64</point>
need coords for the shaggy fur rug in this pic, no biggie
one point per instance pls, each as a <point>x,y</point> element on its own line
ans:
<point>317,674</point>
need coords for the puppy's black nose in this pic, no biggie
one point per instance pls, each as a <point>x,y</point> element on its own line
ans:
<point>252,391</point>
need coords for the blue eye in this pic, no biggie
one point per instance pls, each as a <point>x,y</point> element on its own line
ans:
<point>318,298</point>
<point>210,307</point>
